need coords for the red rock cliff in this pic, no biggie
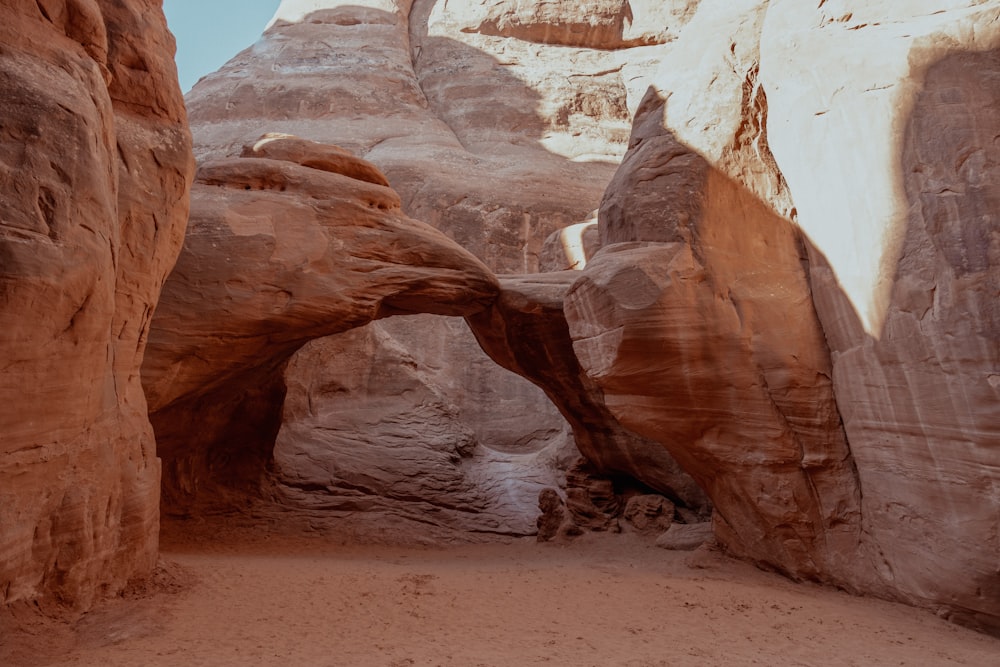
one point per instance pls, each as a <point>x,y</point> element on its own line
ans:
<point>95,166</point>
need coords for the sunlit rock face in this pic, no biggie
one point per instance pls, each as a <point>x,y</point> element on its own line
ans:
<point>411,87</point>
<point>812,193</point>
<point>287,252</point>
<point>95,165</point>
<point>701,332</point>
<point>908,294</point>
<point>291,242</point>
<point>500,124</point>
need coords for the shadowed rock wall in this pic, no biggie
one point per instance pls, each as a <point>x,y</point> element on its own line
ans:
<point>95,165</point>
<point>905,272</point>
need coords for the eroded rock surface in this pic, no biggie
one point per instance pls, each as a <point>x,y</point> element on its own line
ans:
<point>609,24</point>
<point>907,290</point>
<point>525,330</point>
<point>697,324</point>
<point>686,537</point>
<point>95,164</point>
<point>278,254</point>
<point>412,87</point>
<point>371,428</point>
<point>872,127</point>
<point>795,295</point>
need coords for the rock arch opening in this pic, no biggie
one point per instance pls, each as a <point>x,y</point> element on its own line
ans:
<point>406,420</point>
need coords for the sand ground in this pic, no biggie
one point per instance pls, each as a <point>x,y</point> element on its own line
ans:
<point>607,600</point>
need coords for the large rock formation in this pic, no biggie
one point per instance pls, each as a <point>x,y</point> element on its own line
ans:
<point>873,129</point>
<point>290,242</point>
<point>907,289</point>
<point>795,297</point>
<point>807,329</point>
<point>411,86</point>
<point>95,163</point>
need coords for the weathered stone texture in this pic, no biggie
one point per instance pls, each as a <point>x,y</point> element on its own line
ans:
<point>412,87</point>
<point>905,256</point>
<point>730,377</point>
<point>525,330</point>
<point>791,293</point>
<point>857,141</point>
<point>370,418</point>
<point>278,254</point>
<point>95,165</point>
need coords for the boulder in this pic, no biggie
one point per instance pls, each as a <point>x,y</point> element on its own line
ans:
<point>607,24</point>
<point>553,515</point>
<point>649,512</point>
<point>731,377</point>
<point>685,536</point>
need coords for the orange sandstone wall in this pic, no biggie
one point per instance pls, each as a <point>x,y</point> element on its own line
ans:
<point>95,167</point>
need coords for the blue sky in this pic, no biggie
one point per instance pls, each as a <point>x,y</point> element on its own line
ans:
<point>210,32</point>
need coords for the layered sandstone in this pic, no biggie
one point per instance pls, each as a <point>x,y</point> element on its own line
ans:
<point>729,163</point>
<point>377,433</point>
<point>525,330</point>
<point>412,87</point>
<point>95,164</point>
<point>907,289</point>
<point>842,157</point>
<point>291,242</point>
<point>795,297</point>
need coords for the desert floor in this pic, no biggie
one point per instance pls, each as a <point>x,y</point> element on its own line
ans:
<point>610,600</point>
